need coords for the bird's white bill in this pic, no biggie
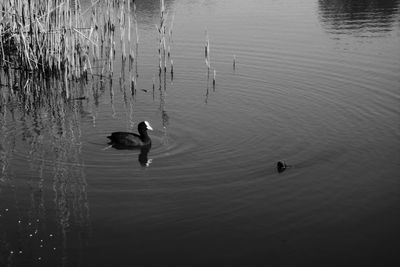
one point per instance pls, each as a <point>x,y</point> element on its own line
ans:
<point>148,126</point>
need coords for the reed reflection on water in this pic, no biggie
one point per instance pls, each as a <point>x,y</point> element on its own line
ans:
<point>365,18</point>
<point>41,127</point>
<point>201,186</point>
<point>44,209</point>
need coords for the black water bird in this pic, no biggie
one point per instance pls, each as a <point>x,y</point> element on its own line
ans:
<point>281,166</point>
<point>131,140</point>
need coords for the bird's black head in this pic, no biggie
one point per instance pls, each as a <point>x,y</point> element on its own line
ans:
<point>144,126</point>
<point>281,166</point>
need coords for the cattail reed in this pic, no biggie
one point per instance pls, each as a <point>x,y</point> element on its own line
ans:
<point>215,73</point>
<point>165,65</point>
<point>169,45</point>
<point>207,51</point>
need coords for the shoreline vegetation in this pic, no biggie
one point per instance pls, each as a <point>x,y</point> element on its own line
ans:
<point>61,42</point>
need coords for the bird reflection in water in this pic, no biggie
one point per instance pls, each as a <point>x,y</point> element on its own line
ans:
<point>143,155</point>
<point>143,158</point>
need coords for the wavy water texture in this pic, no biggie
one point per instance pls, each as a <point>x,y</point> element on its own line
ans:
<point>315,84</point>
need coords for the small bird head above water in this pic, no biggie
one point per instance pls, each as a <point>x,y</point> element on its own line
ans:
<point>281,166</point>
<point>144,126</point>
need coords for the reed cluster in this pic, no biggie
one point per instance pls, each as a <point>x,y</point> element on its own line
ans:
<point>57,39</point>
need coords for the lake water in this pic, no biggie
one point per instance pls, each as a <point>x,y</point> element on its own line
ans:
<point>316,83</point>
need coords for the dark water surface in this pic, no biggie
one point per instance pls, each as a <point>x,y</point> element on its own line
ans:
<point>316,84</point>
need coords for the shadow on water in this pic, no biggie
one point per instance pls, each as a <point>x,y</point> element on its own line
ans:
<point>358,17</point>
<point>44,212</point>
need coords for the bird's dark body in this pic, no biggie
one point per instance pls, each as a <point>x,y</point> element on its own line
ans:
<point>131,140</point>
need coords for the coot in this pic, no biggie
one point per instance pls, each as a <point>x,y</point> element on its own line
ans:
<point>281,166</point>
<point>126,139</point>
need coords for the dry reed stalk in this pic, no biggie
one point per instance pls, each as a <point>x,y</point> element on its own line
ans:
<point>207,51</point>
<point>215,73</point>
<point>53,37</point>
<point>1,43</point>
